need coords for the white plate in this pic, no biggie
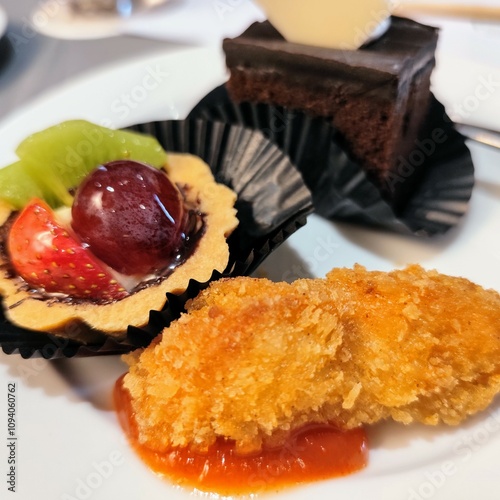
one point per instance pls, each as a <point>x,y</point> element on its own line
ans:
<point>467,75</point>
<point>3,21</point>
<point>69,443</point>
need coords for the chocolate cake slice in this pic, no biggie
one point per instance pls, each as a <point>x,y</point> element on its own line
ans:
<point>377,96</point>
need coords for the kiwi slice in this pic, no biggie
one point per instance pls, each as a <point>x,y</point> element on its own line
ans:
<point>58,158</point>
<point>17,187</point>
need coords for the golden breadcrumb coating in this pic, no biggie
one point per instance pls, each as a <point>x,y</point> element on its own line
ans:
<point>424,346</point>
<point>253,359</point>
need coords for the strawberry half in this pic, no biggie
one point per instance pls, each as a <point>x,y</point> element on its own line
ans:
<point>48,257</point>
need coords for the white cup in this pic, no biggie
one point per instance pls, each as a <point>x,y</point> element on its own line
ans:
<point>342,24</point>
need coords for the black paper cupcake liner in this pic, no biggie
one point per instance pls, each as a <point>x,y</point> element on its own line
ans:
<point>340,187</point>
<point>273,202</point>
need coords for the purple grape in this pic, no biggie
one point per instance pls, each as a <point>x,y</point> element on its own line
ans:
<point>131,216</point>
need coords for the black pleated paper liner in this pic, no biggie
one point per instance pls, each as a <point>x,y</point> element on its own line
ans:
<point>29,344</point>
<point>273,203</point>
<point>340,187</point>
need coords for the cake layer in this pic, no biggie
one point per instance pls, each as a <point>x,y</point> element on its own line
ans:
<point>376,96</point>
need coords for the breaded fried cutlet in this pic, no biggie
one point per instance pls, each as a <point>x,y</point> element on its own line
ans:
<point>424,346</point>
<point>252,359</point>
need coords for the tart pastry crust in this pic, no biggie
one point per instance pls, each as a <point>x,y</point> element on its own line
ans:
<point>215,201</point>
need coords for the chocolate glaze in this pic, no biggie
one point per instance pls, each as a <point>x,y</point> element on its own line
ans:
<point>5,266</point>
<point>402,51</point>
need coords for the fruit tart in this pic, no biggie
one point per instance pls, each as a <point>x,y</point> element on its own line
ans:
<point>97,225</point>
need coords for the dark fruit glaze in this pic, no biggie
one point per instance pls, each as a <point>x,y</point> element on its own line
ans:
<point>131,216</point>
<point>312,453</point>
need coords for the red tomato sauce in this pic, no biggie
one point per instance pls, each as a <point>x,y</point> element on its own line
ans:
<point>313,452</point>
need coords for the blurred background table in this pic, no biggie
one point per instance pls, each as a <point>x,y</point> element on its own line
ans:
<point>37,63</point>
